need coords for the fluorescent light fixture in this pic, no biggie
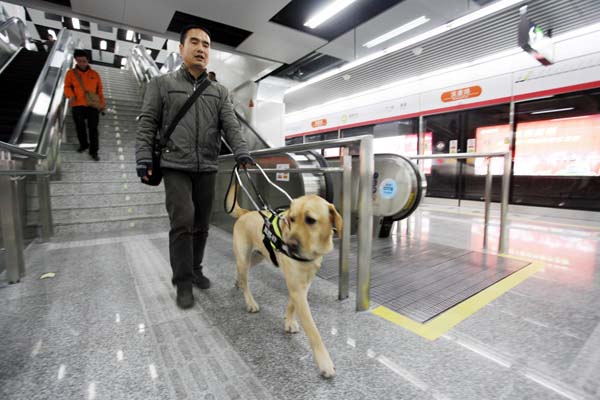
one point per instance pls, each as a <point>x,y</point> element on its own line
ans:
<point>75,22</point>
<point>553,110</point>
<point>129,35</point>
<point>123,61</point>
<point>327,13</point>
<point>398,31</point>
<point>103,45</point>
<point>482,12</point>
<point>52,33</point>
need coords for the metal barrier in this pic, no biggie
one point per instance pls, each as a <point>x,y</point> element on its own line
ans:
<point>365,206</point>
<point>488,189</point>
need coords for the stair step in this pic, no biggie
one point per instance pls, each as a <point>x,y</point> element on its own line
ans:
<point>146,224</point>
<point>59,188</point>
<point>100,200</point>
<point>79,215</point>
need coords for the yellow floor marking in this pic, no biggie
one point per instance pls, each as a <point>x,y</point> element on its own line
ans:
<point>441,324</point>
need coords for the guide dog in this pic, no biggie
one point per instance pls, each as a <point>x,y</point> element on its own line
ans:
<point>307,230</point>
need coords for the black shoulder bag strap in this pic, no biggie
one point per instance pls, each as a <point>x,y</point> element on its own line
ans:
<point>165,137</point>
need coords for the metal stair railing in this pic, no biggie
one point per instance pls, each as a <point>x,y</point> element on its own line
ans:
<point>34,151</point>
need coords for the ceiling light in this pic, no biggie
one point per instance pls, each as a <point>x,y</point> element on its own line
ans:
<point>123,61</point>
<point>398,31</point>
<point>482,12</point>
<point>129,35</point>
<point>75,22</point>
<point>553,110</point>
<point>327,13</point>
<point>103,45</point>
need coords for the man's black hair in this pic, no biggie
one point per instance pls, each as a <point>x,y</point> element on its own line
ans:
<point>186,28</point>
<point>80,53</point>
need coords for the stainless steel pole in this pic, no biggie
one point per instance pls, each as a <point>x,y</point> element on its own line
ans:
<point>487,198</point>
<point>504,203</point>
<point>43,183</point>
<point>365,223</point>
<point>12,228</point>
<point>344,280</point>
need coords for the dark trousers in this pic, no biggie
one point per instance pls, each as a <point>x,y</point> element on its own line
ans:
<point>80,115</point>
<point>189,198</point>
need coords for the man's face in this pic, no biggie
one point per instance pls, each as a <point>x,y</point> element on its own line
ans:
<point>82,62</point>
<point>196,48</point>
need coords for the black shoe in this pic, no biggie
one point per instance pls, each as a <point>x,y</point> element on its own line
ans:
<point>95,157</point>
<point>185,296</point>
<point>200,280</point>
<point>81,149</point>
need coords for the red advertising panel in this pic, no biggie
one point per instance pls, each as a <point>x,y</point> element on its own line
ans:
<point>559,147</point>
<point>488,139</point>
<point>555,147</point>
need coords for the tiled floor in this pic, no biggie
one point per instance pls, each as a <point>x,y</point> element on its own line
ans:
<point>106,326</point>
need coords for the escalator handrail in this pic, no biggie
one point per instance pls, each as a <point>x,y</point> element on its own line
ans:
<point>243,120</point>
<point>14,46</point>
<point>62,42</point>
<point>144,66</point>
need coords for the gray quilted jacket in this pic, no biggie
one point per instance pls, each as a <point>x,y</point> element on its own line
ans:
<point>195,143</point>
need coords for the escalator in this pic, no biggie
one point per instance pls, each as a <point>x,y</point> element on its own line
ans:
<point>17,81</point>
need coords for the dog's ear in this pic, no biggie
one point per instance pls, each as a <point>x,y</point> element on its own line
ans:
<point>336,220</point>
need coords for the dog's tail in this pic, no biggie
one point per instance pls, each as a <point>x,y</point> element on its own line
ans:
<point>231,205</point>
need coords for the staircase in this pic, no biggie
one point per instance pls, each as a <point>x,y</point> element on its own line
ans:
<point>94,197</point>
<point>17,82</point>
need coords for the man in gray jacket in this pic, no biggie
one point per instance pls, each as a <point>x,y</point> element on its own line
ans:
<point>189,160</point>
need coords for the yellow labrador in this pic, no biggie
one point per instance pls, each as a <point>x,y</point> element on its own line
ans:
<point>307,230</point>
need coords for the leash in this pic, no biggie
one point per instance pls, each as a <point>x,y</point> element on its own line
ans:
<point>271,229</point>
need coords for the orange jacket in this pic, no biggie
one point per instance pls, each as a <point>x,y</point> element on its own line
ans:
<point>92,82</point>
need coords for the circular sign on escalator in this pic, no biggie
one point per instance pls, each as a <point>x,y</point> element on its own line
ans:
<point>388,188</point>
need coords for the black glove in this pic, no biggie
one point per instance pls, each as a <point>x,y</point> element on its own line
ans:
<point>142,168</point>
<point>244,160</point>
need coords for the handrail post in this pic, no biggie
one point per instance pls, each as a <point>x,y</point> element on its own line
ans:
<point>344,262</point>
<point>365,223</point>
<point>487,197</point>
<point>43,184</point>
<point>504,202</point>
<point>12,228</point>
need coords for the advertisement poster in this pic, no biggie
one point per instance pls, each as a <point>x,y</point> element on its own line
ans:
<point>488,139</point>
<point>559,147</point>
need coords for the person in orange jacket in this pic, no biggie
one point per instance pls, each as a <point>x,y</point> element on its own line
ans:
<point>80,109</point>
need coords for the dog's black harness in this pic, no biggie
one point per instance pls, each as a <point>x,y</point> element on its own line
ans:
<point>273,240</point>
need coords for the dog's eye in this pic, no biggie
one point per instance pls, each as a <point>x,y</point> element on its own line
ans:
<point>292,219</point>
<point>310,220</point>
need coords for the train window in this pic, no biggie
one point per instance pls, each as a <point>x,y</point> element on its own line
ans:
<point>294,140</point>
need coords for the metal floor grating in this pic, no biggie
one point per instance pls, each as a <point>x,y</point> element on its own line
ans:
<point>422,280</point>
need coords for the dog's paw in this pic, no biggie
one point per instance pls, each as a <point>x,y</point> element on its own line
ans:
<point>328,371</point>
<point>291,327</point>
<point>252,307</point>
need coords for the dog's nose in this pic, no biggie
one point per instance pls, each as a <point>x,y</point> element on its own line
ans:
<point>293,246</point>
